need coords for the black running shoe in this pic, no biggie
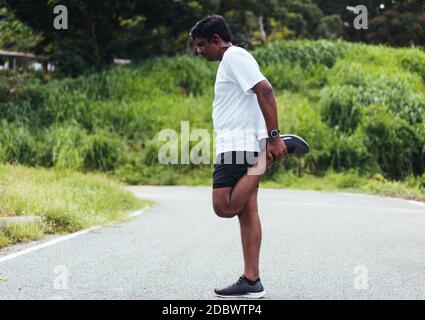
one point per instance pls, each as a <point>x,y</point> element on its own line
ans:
<point>242,289</point>
<point>295,144</point>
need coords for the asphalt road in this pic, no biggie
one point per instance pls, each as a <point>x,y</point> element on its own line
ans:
<point>316,245</point>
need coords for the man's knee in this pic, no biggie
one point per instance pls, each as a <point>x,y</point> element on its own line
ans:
<point>224,211</point>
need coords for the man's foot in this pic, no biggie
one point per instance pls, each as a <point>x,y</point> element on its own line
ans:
<point>295,144</point>
<point>243,288</point>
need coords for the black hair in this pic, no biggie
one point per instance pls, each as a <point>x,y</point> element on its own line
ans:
<point>211,25</point>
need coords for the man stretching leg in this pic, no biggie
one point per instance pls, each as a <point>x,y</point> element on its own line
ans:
<point>244,114</point>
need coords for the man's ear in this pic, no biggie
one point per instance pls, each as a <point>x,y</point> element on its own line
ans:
<point>215,39</point>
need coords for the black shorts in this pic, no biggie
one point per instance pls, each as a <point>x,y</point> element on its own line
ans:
<point>230,166</point>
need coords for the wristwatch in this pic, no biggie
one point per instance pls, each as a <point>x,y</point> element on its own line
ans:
<point>274,133</point>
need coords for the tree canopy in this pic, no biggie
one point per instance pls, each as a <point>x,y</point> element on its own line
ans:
<point>101,30</point>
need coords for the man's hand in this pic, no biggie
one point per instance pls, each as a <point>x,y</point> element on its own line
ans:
<point>276,149</point>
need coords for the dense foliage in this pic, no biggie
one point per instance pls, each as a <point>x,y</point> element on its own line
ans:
<point>361,107</point>
<point>101,30</point>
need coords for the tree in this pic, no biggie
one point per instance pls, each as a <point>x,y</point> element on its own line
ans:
<point>399,25</point>
<point>396,22</point>
<point>101,30</point>
<point>14,34</point>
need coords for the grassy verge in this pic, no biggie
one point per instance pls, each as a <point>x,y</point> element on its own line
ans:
<point>357,105</point>
<point>67,201</point>
<point>351,181</point>
<point>411,188</point>
<point>16,233</point>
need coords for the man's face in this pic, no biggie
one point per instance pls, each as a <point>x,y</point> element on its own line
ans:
<point>210,50</point>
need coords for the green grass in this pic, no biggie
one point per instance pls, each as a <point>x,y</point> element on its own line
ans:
<point>357,105</point>
<point>412,188</point>
<point>67,201</point>
<point>17,233</point>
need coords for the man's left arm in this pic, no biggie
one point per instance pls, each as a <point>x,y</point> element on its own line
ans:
<point>276,149</point>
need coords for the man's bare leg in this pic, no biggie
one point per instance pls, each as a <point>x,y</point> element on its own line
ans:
<point>251,237</point>
<point>228,202</point>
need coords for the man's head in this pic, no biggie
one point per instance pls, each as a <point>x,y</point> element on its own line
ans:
<point>212,36</point>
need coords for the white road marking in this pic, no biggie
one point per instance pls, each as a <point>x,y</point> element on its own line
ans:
<point>145,195</point>
<point>45,245</point>
<point>58,240</point>
<point>136,214</point>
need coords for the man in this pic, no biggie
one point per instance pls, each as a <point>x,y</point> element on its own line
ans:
<point>244,115</point>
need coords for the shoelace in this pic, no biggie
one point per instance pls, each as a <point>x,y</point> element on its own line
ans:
<point>238,282</point>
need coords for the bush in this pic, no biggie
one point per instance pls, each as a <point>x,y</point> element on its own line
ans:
<point>285,76</point>
<point>370,84</point>
<point>412,60</point>
<point>154,77</point>
<point>393,143</point>
<point>100,152</point>
<point>131,120</point>
<point>64,146</point>
<point>336,95</point>
<point>72,147</point>
<point>302,52</point>
<point>299,116</point>
<point>25,104</point>
<point>67,104</point>
<point>347,152</point>
<point>17,144</point>
<point>341,108</point>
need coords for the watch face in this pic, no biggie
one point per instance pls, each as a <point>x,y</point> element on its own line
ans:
<point>274,133</point>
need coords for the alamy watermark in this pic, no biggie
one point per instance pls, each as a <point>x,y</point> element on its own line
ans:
<point>194,147</point>
<point>61,20</point>
<point>361,21</point>
<point>361,279</point>
<point>60,281</point>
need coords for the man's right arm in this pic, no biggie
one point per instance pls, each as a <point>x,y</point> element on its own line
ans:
<point>276,149</point>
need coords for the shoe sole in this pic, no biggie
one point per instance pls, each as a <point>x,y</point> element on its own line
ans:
<point>295,144</point>
<point>252,295</point>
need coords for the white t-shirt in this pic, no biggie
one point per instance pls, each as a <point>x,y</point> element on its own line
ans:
<point>238,121</point>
